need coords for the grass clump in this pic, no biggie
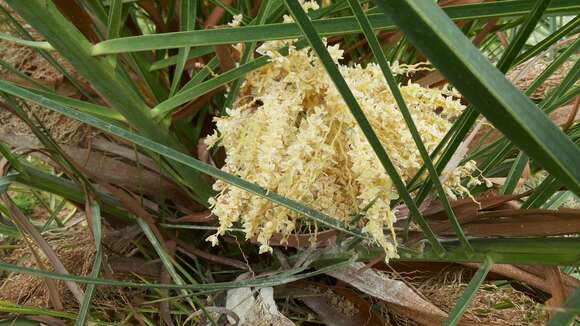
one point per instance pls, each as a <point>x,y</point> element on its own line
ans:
<point>26,203</point>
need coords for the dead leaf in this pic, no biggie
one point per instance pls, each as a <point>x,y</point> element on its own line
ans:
<point>396,293</point>
<point>24,223</point>
<point>255,311</point>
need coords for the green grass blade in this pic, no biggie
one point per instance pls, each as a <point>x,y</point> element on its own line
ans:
<point>237,84</point>
<point>542,193</point>
<point>557,200</point>
<point>96,9</point>
<point>247,55</point>
<point>324,27</point>
<point>523,34</point>
<point>168,263</point>
<point>141,62</point>
<point>202,74</point>
<point>8,307</point>
<point>53,215</point>
<point>170,11</point>
<point>553,66</point>
<point>463,303</point>
<point>22,75</point>
<point>6,181</point>
<point>188,13</point>
<point>167,107</point>
<point>67,189</point>
<point>496,98</point>
<point>43,45</point>
<point>90,290</point>
<point>318,46</point>
<point>13,160</point>
<point>456,134</point>
<point>179,157</point>
<point>514,174</point>
<point>165,259</point>
<point>546,105</point>
<point>138,62</point>
<point>114,19</point>
<point>229,9</point>
<point>87,107</point>
<point>281,278</point>
<point>570,309</point>
<point>568,97</point>
<point>194,53</point>
<point>548,41</point>
<point>382,61</point>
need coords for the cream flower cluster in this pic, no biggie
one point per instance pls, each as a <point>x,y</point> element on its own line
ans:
<point>469,171</point>
<point>292,133</point>
<point>236,21</point>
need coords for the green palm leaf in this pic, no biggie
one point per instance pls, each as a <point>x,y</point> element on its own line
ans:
<point>431,30</point>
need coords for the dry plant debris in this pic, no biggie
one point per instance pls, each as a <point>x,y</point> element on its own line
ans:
<point>491,305</point>
<point>74,247</point>
<point>30,62</point>
<point>525,74</point>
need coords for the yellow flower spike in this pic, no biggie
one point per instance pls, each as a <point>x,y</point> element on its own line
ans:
<point>291,133</point>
